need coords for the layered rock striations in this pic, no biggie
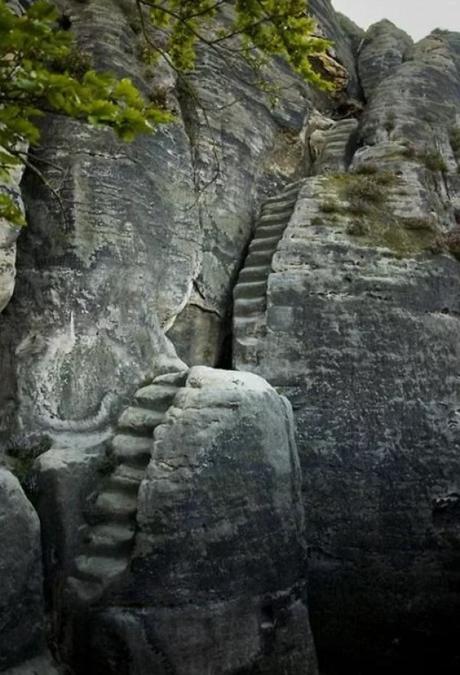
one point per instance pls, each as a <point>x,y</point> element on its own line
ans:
<point>216,581</point>
<point>362,335</point>
<point>314,244</point>
<point>22,613</point>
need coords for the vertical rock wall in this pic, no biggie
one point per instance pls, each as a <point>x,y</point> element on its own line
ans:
<point>140,235</point>
<point>22,616</point>
<point>362,335</point>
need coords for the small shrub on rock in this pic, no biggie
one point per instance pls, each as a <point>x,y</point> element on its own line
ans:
<point>433,161</point>
<point>329,206</point>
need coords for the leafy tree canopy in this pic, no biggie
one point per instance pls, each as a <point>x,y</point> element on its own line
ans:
<point>41,70</point>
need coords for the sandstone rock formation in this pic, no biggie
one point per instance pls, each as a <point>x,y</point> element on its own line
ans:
<point>171,497</point>
<point>22,617</point>
<point>216,581</point>
<point>8,235</point>
<point>362,334</point>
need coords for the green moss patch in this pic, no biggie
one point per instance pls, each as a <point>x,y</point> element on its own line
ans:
<point>364,196</point>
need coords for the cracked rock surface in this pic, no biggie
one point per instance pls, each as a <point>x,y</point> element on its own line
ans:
<point>362,335</point>
<point>315,244</point>
<point>22,615</point>
<point>217,579</point>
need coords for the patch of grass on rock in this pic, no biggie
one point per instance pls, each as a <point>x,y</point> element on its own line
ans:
<point>330,206</point>
<point>366,196</point>
<point>433,161</point>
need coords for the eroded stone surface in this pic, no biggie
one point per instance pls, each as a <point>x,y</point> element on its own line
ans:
<point>217,577</point>
<point>359,328</point>
<point>42,665</point>
<point>382,50</point>
<point>362,336</point>
<point>22,620</point>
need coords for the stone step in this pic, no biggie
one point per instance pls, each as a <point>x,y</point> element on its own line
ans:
<point>295,183</point>
<point>339,136</point>
<point>281,218</point>
<point>259,258</point>
<point>255,273</point>
<point>83,591</point>
<point>125,478</point>
<point>176,379</point>
<point>133,450</point>
<point>246,307</point>
<point>268,231</point>
<point>99,567</point>
<point>250,289</point>
<point>156,396</point>
<point>115,505</point>
<point>247,342</point>
<point>334,149</point>
<point>244,323</point>
<point>286,194</point>
<point>110,537</point>
<point>278,207</point>
<point>140,420</point>
<point>264,242</point>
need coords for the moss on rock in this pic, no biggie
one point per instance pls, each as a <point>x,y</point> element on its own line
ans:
<point>364,196</point>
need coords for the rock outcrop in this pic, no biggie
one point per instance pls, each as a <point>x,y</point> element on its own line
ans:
<point>382,50</point>
<point>315,244</point>
<point>8,236</point>
<point>362,334</point>
<point>22,614</point>
<point>216,581</point>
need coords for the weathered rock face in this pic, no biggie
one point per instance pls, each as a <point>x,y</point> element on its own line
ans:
<point>331,25</point>
<point>169,214</point>
<point>217,578</point>
<point>8,236</point>
<point>383,49</point>
<point>22,618</point>
<point>348,303</point>
<point>42,665</point>
<point>362,334</point>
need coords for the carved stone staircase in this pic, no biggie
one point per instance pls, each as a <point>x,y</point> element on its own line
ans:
<point>339,143</point>
<point>250,294</point>
<point>108,538</point>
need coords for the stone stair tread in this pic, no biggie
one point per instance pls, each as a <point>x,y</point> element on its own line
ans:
<point>250,289</point>
<point>280,218</point>
<point>109,536</point>
<point>247,321</point>
<point>249,302</point>
<point>124,481</point>
<point>156,396</point>
<point>85,591</point>
<point>140,420</point>
<point>259,242</point>
<point>247,341</point>
<point>259,257</point>
<point>256,314</point>
<point>116,504</point>
<point>256,273</point>
<point>126,472</point>
<point>178,379</point>
<point>287,193</point>
<point>269,250</point>
<point>132,449</point>
<point>276,207</point>
<point>268,231</point>
<point>101,567</point>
